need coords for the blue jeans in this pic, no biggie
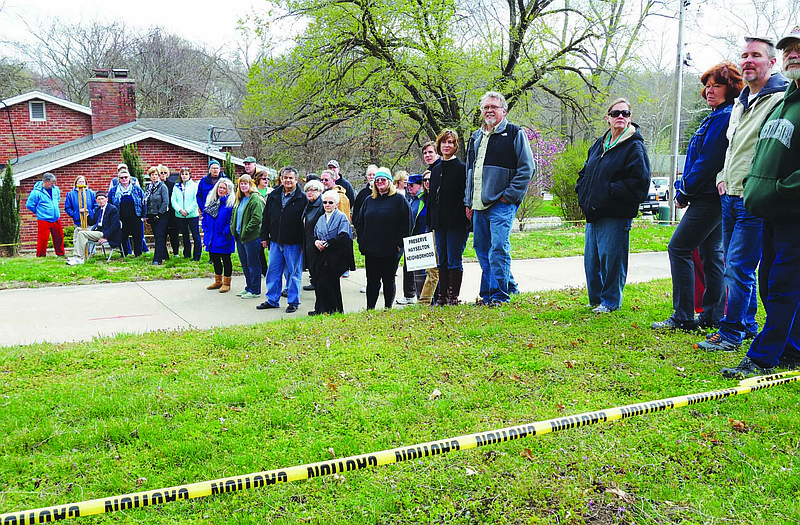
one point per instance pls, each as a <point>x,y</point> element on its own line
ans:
<point>491,231</point>
<point>781,330</point>
<point>284,258</point>
<point>251,264</point>
<point>741,242</point>
<point>450,246</point>
<point>701,228</point>
<point>605,260</point>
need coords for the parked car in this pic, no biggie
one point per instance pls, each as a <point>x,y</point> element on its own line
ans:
<point>662,187</point>
<point>652,202</point>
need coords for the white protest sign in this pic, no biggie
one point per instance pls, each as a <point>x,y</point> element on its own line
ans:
<point>420,252</point>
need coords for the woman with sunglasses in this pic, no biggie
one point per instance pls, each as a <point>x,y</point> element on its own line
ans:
<point>129,200</point>
<point>612,183</point>
<point>382,223</point>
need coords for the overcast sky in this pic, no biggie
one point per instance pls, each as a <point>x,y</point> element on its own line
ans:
<point>209,23</point>
<point>214,23</point>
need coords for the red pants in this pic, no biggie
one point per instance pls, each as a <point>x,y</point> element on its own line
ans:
<point>44,229</point>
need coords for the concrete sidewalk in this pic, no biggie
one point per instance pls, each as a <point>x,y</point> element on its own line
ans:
<point>77,313</point>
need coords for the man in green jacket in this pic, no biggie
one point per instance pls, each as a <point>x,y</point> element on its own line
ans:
<point>772,191</point>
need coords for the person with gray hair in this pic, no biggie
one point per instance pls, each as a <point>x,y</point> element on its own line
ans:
<point>43,201</point>
<point>313,190</point>
<point>499,167</point>
<point>333,240</point>
<point>770,192</point>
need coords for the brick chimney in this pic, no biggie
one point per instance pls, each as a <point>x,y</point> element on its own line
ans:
<point>112,96</point>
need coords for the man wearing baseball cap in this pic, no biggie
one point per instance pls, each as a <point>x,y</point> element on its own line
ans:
<point>333,165</point>
<point>772,191</point>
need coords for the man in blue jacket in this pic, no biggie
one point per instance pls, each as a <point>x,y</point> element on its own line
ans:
<point>43,202</point>
<point>499,167</point>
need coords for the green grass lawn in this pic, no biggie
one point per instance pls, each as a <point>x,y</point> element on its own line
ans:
<point>131,413</point>
<point>29,271</point>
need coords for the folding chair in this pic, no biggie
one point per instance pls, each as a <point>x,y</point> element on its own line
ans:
<point>111,251</point>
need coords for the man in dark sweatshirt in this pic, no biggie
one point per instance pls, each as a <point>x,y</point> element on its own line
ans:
<point>772,191</point>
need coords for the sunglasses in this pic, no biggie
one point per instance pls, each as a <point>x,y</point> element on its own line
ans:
<point>617,112</point>
<point>328,202</point>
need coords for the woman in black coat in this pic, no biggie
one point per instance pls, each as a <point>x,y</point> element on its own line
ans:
<point>612,183</point>
<point>382,223</point>
<point>447,217</point>
<point>311,214</point>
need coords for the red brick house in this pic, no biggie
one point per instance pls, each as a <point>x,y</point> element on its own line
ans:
<point>41,133</point>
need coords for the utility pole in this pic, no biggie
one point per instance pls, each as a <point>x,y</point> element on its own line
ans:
<point>676,118</point>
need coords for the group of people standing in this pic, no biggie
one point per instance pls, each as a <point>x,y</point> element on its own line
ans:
<point>739,192</point>
<point>170,208</point>
<point>314,227</point>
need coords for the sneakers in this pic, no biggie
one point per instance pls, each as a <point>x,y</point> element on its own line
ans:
<point>242,293</point>
<point>602,309</point>
<point>746,368</point>
<point>75,261</point>
<point>250,295</point>
<point>716,343</point>
<point>674,324</point>
<point>406,300</point>
<point>363,289</point>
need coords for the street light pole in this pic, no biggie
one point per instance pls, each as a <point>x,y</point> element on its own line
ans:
<point>676,118</point>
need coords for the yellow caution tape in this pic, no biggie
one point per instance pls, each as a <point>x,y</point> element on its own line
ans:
<point>384,457</point>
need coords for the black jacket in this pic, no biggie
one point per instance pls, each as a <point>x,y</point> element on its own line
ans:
<point>382,224</point>
<point>311,215</point>
<point>111,228</point>
<point>283,225</point>
<point>446,210</point>
<point>613,183</point>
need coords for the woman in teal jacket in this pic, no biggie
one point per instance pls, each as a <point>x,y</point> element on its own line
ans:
<point>246,229</point>
<point>184,202</point>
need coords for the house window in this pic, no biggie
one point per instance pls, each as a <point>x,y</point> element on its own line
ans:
<point>37,110</point>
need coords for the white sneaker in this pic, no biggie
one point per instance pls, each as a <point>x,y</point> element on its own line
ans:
<point>363,289</point>
<point>75,261</point>
<point>406,300</point>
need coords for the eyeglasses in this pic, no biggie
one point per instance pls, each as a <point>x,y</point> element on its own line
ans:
<point>164,173</point>
<point>328,202</point>
<point>426,180</point>
<point>487,107</point>
<point>614,113</point>
<point>312,189</point>
<point>124,178</point>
